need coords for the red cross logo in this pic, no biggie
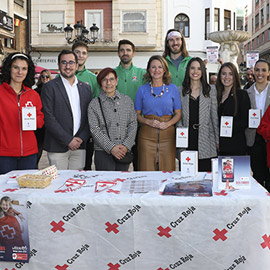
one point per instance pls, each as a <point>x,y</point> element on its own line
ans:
<point>11,269</point>
<point>29,114</point>
<point>220,234</point>
<point>226,123</point>
<point>162,268</point>
<point>64,267</point>
<point>266,242</point>
<point>165,231</point>
<point>7,232</point>
<point>57,226</point>
<point>187,159</point>
<point>254,114</point>
<point>10,190</point>
<point>182,133</point>
<point>167,171</point>
<point>221,193</point>
<point>112,227</point>
<point>113,266</point>
<point>113,191</point>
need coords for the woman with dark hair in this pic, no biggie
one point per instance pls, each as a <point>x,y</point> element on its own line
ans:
<point>18,145</point>
<point>258,140</point>
<point>199,113</point>
<point>158,108</point>
<point>234,102</point>
<point>113,124</point>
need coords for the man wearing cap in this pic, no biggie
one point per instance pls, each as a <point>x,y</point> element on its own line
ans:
<point>176,55</point>
<point>130,78</point>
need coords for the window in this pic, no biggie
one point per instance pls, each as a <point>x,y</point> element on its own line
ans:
<point>262,16</point>
<point>246,27</point>
<point>258,41</point>
<point>253,44</point>
<point>134,21</point>
<point>216,20</point>
<point>207,23</point>
<point>234,21</point>
<point>268,33</point>
<point>262,37</point>
<point>4,6</point>
<point>181,22</point>
<point>52,21</point>
<point>256,2</point>
<point>267,12</point>
<point>94,16</point>
<point>227,19</point>
<point>257,20</point>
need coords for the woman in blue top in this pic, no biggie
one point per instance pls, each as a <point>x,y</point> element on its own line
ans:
<point>158,108</point>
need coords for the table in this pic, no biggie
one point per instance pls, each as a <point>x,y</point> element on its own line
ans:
<point>72,227</point>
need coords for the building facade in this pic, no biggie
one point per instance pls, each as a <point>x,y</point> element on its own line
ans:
<point>13,27</point>
<point>257,22</point>
<point>145,22</point>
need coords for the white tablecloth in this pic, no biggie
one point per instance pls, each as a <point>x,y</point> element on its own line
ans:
<point>72,227</point>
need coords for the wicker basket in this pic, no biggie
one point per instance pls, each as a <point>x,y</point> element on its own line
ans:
<point>34,181</point>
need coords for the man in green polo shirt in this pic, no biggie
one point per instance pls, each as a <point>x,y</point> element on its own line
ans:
<point>81,50</point>
<point>176,55</point>
<point>130,78</point>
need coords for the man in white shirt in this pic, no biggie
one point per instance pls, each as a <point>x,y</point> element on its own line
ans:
<point>65,102</point>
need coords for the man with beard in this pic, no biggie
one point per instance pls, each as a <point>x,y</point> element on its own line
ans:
<point>65,103</point>
<point>130,78</point>
<point>250,79</point>
<point>81,50</point>
<point>176,55</point>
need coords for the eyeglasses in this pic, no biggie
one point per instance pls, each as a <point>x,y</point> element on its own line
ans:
<point>65,63</point>
<point>111,80</point>
<point>45,76</point>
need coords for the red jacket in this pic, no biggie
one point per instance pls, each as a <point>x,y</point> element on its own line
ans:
<point>15,142</point>
<point>264,130</point>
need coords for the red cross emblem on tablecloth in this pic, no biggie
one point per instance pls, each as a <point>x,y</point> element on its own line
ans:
<point>112,227</point>
<point>221,193</point>
<point>10,269</point>
<point>163,269</point>
<point>57,226</point>
<point>164,231</point>
<point>182,133</point>
<point>64,267</point>
<point>113,191</point>
<point>29,114</point>
<point>266,242</point>
<point>187,159</point>
<point>254,114</point>
<point>167,171</point>
<point>113,266</point>
<point>10,190</point>
<point>120,180</point>
<point>220,234</point>
<point>226,123</point>
<point>7,232</point>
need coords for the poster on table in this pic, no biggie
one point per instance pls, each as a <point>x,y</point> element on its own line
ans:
<point>14,237</point>
<point>234,172</point>
<point>252,57</point>
<point>212,54</point>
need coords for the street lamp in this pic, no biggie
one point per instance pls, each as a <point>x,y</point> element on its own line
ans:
<point>81,33</point>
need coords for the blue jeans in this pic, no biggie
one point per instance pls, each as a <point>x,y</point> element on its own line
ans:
<point>8,164</point>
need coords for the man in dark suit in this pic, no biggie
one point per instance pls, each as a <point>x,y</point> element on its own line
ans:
<point>65,102</point>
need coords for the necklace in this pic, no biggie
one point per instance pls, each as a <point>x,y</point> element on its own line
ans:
<point>161,93</point>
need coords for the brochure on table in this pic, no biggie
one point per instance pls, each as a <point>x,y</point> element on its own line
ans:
<point>234,172</point>
<point>14,237</point>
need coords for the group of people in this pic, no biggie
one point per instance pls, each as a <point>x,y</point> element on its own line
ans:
<point>130,113</point>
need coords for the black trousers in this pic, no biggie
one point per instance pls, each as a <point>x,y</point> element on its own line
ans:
<point>105,162</point>
<point>89,154</point>
<point>258,160</point>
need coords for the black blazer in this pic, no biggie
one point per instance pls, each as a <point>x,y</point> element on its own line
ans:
<point>58,115</point>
